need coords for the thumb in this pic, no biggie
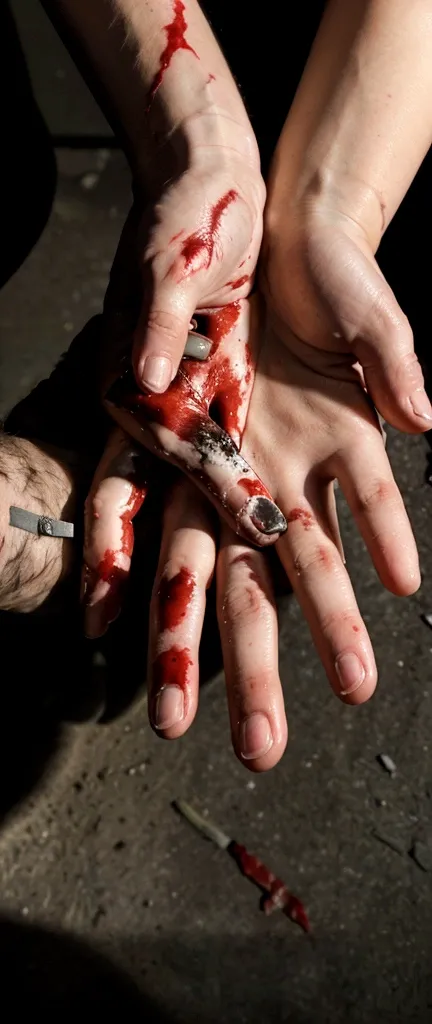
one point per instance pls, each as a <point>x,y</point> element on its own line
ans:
<point>161,334</point>
<point>371,320</point>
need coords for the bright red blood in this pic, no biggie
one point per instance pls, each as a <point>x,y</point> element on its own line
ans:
<point>171,668</point>
<point>174,598</point>
<point>302,516</point>
<point>198,248</point>
<point>229,400</point>
<point>222,321</point>
<point>107,569</point>
<point>356,629</point>
<point>181,408</point>
<point>211,78</point>
<point>175,36</point>
<point>279,897</point>
<point>254,488</point>
<point>238,284</point>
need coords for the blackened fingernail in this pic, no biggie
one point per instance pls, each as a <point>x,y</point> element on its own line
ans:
<point>265,515</point>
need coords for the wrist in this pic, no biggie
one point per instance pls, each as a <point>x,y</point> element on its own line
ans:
<point>325,195</point>
<point>205,139</point>
<point>31,566</point>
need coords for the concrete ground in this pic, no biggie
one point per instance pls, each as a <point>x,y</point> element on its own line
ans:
<point>108,899</point>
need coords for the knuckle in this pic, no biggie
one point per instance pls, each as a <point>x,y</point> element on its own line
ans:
<point>168,324</point>
<point>336,620</point>
<point>382,492</point>
<point>242,604</point>
<point>321,558</point>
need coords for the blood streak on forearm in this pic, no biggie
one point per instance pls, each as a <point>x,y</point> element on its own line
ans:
<point>175,40</point>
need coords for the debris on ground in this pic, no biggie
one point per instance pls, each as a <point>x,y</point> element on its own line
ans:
<point>387,763</point>
<point>427,619</point>
<point>422,854</point>
<point>393,843</point>
<point>276,896</point>
<point>90,180</point>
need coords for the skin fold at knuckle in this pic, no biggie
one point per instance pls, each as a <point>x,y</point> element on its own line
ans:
<point>322,558</point>
<point>242,605</point>
<point>379,494</point>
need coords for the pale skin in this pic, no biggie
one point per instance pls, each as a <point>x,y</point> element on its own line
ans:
<point>317,380</point>
<point>191,147</point>
<point>355,136</point>
<point>279,420</point>
<point>353,140</point>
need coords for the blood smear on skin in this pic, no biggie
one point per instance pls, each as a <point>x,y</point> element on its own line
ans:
<point>198,248</point>
<point>222,321</point>
<point>171,668</point>
<point>254,488</point>
<point>302,516</point>
<point>239,283</point>
<point>175,36</point>
<point>174,599</point>
<point>107,569</point>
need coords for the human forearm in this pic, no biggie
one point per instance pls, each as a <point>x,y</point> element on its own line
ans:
<point>159,74</point>
<point>361,121</point>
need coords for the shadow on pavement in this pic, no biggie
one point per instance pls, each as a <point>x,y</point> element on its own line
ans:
<point>54,973</point>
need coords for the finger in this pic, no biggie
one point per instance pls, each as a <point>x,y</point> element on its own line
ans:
<point>323,588</point>
<point>161,333</point>
<point>117,493</point>
<point>185,570</point>
<point>249,634</point>
<point>372,321</point>
<point>367,481</point>
<point>175,427</point>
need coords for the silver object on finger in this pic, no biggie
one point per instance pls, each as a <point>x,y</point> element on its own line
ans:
<point>197,347</point>
<point>42,526</point>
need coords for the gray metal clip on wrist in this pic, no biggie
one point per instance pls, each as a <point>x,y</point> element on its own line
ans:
<point>42,526</point>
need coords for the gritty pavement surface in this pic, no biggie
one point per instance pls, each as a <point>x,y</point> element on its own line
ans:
<point>108,900</point>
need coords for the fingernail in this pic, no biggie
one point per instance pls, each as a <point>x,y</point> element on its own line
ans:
<point>265,515</point>
<point>156,373</point>
<point>169,707</point>
<point>421,404</point>
<point>350,671</point>
<point>255,736</point>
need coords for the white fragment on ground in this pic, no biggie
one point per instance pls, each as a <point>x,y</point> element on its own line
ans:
<point>387,763</point>
<point>251,784</point>
<point>428,620</point>
<point>89,181</point>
